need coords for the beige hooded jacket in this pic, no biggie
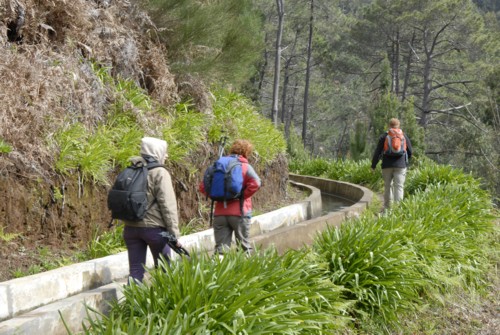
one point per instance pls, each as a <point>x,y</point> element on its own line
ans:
<point>162,209</point>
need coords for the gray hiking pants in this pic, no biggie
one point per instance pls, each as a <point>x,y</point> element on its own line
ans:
<point>224,226</point>
<point>394,180</point>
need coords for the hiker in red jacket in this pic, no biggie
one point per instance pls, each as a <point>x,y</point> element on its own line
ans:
<point>228,214</point>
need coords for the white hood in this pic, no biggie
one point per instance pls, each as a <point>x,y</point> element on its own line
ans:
<point>155,148</point>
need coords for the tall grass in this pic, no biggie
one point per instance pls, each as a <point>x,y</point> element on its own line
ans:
<point>106,243</point>
<point>94,159</point>
<point>126,139</point>
<point>346,170</point>
<point>93,153</point>
<point>428,173</point>
<point>262,294</point>
<point>373,269</point>
<point>428,244</point>
<point>185,133</point>
<point>236,117</point>
<point>378,270</point>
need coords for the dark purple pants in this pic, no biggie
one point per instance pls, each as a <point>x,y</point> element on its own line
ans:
<point>137,240</point>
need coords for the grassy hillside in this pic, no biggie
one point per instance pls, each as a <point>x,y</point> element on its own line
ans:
<point>81,82</point>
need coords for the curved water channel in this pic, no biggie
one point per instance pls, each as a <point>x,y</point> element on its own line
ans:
<point>332,203</point>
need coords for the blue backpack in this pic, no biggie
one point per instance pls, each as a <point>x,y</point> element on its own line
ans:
<point>223,181</point>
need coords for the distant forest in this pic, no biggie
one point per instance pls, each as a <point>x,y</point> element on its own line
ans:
<point>333,72</point>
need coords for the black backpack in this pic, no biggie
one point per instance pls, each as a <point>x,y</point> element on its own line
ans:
<point>128,199</point>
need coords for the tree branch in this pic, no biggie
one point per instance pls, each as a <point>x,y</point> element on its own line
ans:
<point>451,151</point>
<point>449,109</point>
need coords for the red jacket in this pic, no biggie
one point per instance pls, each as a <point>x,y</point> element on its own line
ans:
<point>251,184</point>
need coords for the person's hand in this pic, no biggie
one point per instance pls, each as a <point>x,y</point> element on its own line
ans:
<point>178,245</point>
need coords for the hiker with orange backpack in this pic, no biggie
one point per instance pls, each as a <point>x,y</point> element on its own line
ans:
<point>394,148</point>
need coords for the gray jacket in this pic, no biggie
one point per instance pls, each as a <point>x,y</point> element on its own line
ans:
<point>162,208</point>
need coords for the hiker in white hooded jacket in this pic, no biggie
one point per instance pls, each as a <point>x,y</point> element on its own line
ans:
<point>161,215</point>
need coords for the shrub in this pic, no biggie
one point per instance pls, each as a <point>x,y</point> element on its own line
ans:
<point>262,294</point>
<point>430,243</point>
<point>376,268</point>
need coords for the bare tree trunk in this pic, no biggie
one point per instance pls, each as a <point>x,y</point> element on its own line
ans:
<point>289,114</point>
<point>277,61</point>
<point>286,77</point>
<point>341,142</point>
<point>308,75</point>
<point>427,81</point>
<point>427,93</point>
<point>430,43</point>
<point>262,71</point>
<point>395,65</point>
<point>408,69</point>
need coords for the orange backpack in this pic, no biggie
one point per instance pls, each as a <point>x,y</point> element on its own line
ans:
<point>395,143</point>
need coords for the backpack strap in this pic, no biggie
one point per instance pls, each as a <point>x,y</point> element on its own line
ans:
<point>154,165</point>
<point>242,201</point>
<point>211,212</point>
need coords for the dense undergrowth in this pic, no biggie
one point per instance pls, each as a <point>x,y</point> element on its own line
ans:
<point>363,277</point>
<point>93,155</point>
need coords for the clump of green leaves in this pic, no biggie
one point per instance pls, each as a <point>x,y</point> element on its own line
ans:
<point>378,270</point>
<point>5,148</point>
<point>93,153</point>
<point>262,294</point>
<point>357,172</point>
<point>446,225</point>
<point>89,154</point>
<point>429,173</point>
<point>185,132</point>
<point>6,237</point>
<point>431,242</point>
<point>236,117</point>
<point>106,243</point>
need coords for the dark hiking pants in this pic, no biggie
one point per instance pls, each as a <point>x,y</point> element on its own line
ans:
<point>137,240</point>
